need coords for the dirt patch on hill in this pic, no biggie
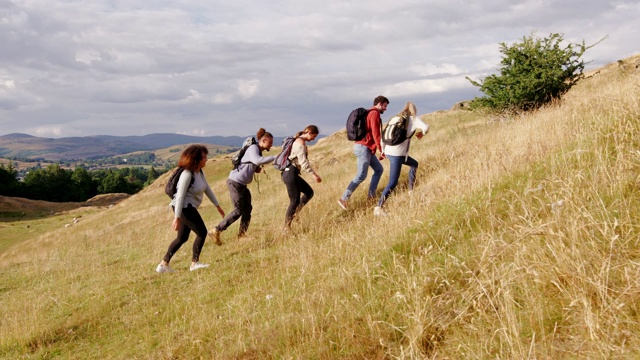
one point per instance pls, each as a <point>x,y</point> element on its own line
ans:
<point>106,199</point>
<point>15,207</point>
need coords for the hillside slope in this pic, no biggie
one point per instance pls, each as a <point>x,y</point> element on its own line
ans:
<point>519,241</point>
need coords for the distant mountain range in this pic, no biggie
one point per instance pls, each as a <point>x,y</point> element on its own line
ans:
<point>91,147</point>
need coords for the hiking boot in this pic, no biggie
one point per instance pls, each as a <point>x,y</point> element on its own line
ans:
<point>198,265</point>
<point>215,234</point>
<point>163,269</point>
<point>377,211</point>
<point>343,204</point>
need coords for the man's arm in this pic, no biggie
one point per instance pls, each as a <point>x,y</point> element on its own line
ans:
<point>375,123</point>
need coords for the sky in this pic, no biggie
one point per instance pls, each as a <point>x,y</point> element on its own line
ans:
<point>204,68</point>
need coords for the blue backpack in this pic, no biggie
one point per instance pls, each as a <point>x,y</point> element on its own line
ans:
<point>282,160</point>
<point>357,124</point>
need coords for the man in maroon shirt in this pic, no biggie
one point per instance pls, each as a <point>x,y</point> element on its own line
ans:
<point>365,151</point>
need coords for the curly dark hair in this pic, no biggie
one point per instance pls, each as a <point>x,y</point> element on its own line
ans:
<point>192,156</point>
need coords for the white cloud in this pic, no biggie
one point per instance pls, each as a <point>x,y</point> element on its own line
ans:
<point>435,69</point>
<point>114,67</point>
<point>248,88</point>
<point>424,87</point>
<point>53,131</point>
<point>222,98</point>
<point>8,84</point>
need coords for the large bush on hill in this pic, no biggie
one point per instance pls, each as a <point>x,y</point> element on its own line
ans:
<point>533,72</point>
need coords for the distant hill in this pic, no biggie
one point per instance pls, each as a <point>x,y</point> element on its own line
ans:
<point>92,147</point>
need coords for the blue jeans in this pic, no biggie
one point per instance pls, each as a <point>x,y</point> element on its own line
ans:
<point>365,158</point>
<point>395,165</point>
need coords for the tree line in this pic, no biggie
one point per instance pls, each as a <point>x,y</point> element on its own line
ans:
<point>56,184</point>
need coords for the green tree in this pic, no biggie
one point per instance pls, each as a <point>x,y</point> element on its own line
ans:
<point>9,184</point>
<point>533,72</point>
<point>152,175</point>
<point>84,187</point>
<point>51,184</point>
<point>114,182</point>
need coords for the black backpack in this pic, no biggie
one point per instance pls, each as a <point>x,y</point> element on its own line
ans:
<point>282,160</point>
<point>357,124</point>
<point>237,158</point>
<point>172,185</point>
<point>395,133</point>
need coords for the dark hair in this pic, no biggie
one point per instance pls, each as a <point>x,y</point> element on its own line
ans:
<point>311,129</point>
<point>262,133</point>
<point>192,156</point>
<point>380,99</point>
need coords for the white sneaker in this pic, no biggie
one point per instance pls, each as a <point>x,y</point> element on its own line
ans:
<point>197,266</point>
<point>377,211</point>
<point>163,269</point>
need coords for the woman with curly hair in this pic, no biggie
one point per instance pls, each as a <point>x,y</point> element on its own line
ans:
<point>191,187</point>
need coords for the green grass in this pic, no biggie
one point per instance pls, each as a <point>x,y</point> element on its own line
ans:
<point>519,241</point>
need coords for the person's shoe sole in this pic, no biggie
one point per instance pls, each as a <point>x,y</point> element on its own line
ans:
<point>342,204</point>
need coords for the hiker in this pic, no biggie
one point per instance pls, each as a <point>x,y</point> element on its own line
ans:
<point>250,163</point>
<point>365,152</point>
<point>398,154</point>
<point>185,203</point>
<point>291,174</point>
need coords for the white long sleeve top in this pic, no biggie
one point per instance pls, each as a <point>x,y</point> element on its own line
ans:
<point>402,149</point>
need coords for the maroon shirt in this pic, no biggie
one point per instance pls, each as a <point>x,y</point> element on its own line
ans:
<point>374,124</point>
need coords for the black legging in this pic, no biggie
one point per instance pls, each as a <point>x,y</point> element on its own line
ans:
<point>295,186</point>
<point>189,220</point>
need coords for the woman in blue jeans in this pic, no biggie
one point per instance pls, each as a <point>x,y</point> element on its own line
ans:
<point>398,154</point>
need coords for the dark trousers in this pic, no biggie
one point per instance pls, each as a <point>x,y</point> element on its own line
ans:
<point>189,220</point>
<point>296,185</point>
<point>241,199</point>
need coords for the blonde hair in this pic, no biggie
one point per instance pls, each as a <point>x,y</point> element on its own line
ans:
<point>409,109</point>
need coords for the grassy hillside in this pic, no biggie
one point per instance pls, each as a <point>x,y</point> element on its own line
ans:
<point>520,241</point>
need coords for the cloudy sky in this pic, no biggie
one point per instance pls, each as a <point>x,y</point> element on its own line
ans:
<point>197,67</point>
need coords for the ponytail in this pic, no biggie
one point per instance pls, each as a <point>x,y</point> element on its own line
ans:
<point>311,129</point>
<point>262,132</point>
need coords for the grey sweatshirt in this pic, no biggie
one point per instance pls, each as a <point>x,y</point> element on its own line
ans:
<point>186,194</point>
<point>248,164</point>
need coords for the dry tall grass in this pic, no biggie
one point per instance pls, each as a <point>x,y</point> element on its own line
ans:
<point>520,241</point>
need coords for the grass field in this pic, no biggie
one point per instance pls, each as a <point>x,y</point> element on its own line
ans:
<point>519,241</point>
